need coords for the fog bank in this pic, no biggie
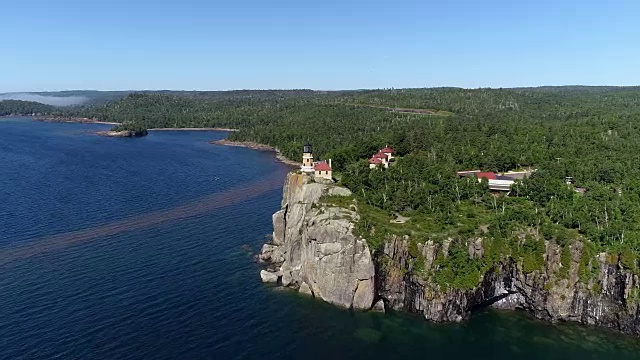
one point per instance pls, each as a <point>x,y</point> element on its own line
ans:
<point>49,100</point>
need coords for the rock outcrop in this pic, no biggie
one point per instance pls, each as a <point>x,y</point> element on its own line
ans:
<point>314,249</point>
<point>608,300</point>
<point>123,133</point>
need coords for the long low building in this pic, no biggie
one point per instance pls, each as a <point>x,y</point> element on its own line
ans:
<point>500,185</point>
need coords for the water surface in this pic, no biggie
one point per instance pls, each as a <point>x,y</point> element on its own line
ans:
<point>133,249</point>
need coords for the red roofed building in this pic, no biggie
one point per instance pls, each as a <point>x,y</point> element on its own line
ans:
<point>388,151</point>
<point>323,170</point>
<point>380,156</point>
<point>383,156</point>
<point>486,175</point>
<point>374,162</point>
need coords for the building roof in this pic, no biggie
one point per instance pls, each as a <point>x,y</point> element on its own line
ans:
<point>468,172</point>
<point>505,177</point>
<point>387,149</point>
<point>380,155</point>
<point>375,160</point>
<point>486,175</point>
<point>321,166</point>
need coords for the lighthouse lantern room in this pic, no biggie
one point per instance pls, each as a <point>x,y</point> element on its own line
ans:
<point>307,159</point>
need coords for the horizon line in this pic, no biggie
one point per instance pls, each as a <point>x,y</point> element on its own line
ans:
<point>318,90</point>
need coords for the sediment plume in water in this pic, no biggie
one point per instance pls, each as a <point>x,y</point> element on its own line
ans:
<point>137,222</point>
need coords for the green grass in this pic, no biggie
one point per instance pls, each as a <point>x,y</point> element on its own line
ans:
<point>565,261</point>
<point>346,202</point>
<point>588,267</point>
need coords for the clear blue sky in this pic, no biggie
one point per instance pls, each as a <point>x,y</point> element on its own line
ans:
<point>320,44</point>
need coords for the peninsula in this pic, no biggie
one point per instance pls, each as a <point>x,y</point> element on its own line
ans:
<point>329,243</point>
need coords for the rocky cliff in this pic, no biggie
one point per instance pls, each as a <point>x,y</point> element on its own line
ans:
<point>609,299</point>
<point>315,250</point>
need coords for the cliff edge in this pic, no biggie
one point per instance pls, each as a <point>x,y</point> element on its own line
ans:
<point>314,249</point>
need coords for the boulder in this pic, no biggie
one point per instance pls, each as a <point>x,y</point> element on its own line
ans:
<point>267,252</point>
<point>268,276</point>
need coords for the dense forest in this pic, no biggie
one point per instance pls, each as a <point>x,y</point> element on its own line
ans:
<point>17,107</point>
<point>588,133</point>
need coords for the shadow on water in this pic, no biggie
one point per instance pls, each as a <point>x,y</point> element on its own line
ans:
<point>488,334</point>
<point>193,209</point>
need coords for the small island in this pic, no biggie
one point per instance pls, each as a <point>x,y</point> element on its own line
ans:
<point>125,130</point>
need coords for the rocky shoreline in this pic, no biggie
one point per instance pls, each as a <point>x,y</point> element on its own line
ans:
<point>315,251</point>
<point>122,134</point>
<point>257,146</point>
<point>82,120</point>
<point>66,119</point>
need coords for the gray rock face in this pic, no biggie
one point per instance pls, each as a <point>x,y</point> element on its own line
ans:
<point>379,306</point>
<point>608,300</point>
<point>267,254</point>
<point>305,289</point>
<point>314,246</point>
<point>268,277</point>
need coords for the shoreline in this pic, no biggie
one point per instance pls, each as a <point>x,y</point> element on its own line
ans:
<point>16,116</point>
<point>259,147</point>
<point>73,120</point>
<point>246,144</point>
<point>79,120</point>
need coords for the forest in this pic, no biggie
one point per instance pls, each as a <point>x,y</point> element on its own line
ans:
<point>17,107</point>
<point>588,133</point>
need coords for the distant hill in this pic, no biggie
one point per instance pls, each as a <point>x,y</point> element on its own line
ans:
<point>17,107</point>
<point>579,88</point>
<point>67,98</point>
<point>86,98</point>
<point>94,97</point>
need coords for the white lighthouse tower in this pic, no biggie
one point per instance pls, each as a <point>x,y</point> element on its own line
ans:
<point>307,159</point>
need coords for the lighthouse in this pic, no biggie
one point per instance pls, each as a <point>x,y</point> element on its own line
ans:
<point>307,159</point>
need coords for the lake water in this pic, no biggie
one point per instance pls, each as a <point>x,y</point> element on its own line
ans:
<point>138,249</point>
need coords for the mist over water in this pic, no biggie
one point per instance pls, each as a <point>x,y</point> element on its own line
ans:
<point>49,100</point>
<point>134,249</point>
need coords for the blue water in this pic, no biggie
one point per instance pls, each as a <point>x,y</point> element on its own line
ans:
<point>141,249</point>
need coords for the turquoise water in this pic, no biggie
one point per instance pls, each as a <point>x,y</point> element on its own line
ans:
<point>142,248</point>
